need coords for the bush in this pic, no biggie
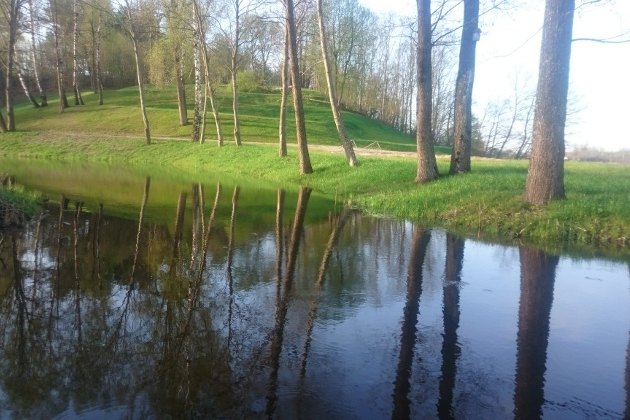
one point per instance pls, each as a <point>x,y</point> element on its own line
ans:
<point>246,82</point>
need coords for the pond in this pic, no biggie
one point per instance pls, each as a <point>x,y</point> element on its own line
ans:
<point>141,294</point>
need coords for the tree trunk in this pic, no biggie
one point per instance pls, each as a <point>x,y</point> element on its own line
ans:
<point>346,143</point>
<point>136,53</point>
<point>206,67</point>
<point>78,100</point>
<point>181,90</point>
<point>14,8</point>
<point>234,71</point>
<point>282,127</point>
<point>427,166</point>
<point>63,100</point>
<point>93,58</point>
<point>545,176</point>
<point>99,81</point>
<point>27,92</point>
<point>3,125</point>
<point>197,40</point>
<point>215,113</point>
<point>462,142</point>
<point>300,124</point>
<point>204,113</point>
<point>42,94</point>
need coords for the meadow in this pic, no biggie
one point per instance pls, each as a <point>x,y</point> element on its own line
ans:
<point>486,203</point>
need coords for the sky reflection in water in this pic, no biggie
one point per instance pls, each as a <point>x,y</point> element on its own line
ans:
<point>248,303</point>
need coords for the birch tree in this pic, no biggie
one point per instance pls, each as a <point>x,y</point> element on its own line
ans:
<point>209,88</point>
<point>197,41</point>
<point>130,24</point>
<point>78,100</point>
<point>31,28</point>
<point>346,143</point>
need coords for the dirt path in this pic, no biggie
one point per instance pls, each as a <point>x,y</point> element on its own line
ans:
<point>359,151</point>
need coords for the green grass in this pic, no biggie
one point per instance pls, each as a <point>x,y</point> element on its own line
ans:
<point>485,203</point>
<point>259,113</point>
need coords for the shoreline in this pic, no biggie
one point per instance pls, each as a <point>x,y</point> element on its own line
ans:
<point>484,204</point>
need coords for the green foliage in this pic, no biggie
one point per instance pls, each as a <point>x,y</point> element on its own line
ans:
<point>247,82</point>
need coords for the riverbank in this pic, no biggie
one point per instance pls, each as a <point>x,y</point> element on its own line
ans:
<point>16,207</point>
<point>486,203</point>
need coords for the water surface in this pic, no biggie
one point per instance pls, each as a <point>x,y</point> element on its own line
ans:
<point>153,296</point>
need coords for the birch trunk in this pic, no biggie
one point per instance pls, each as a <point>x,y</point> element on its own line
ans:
<point>346,143</point>
<point>206,68</point>
<point>196,126</point>
<point>27,92</point>
<point>42,94</point>
<point>78,100</point>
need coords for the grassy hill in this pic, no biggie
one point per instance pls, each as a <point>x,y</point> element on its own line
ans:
<point>120,115</point>
<point>487,202</point>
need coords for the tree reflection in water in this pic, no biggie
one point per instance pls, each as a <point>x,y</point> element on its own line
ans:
<point>402,385</point>
<point>538,273</point>
<point>186,311</point>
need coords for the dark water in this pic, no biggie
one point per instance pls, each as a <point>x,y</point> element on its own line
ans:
<point>246,301</point>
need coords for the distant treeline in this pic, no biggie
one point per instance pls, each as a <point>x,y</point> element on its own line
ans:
<point>587,154</point>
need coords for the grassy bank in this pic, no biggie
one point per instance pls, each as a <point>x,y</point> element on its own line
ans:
<point>16,206</point>
<point>486,203</point>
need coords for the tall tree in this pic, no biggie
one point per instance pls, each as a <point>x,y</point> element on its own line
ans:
<point>206,67</point>
<point>243,11</point>
<point>427,165</point>
<point>300,125</point>
<point>11,11</point>
<point>346,143</point>
<point>545,176</point>
<point>284,75</point>
<point>197,41</point>
<point>78,99</point>
<point>59,64</point>
<point>460,157</point>
<point>34,62</point>
<point>130,26</point>
<point>3,124</point>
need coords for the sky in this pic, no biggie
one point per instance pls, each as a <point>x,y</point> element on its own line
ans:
<point>509,50</point>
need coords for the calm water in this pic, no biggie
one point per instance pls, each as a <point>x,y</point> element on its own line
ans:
<point>164,297</point>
